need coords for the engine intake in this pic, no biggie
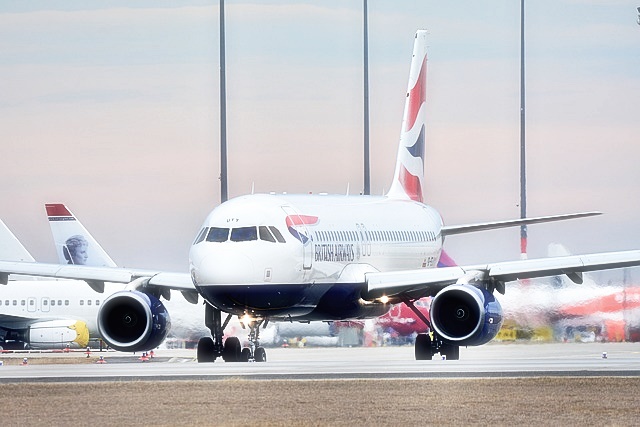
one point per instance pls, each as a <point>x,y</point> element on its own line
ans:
<point>466,315</point>
<point>133,321</point>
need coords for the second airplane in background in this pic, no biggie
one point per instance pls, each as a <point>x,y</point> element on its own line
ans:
<point>322,258</point>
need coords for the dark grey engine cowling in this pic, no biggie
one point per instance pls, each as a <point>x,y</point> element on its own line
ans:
<point>466,315</point>
<point>133,321</point>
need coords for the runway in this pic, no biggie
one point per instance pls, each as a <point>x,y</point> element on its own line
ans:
<point>495,360</point>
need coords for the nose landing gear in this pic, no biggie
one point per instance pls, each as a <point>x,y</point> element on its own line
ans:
<point>254,352</point>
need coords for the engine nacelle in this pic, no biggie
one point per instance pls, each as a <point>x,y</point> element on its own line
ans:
<point>466,315</point>
<point>133,321</point>
<point>57,334</point>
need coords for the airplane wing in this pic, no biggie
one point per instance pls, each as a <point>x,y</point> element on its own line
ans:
<point>428,282</point>
<point>468,228</point>
<point>96,276</point>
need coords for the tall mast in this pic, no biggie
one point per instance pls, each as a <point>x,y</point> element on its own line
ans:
<point>223,111</point>
<point>523,163</point>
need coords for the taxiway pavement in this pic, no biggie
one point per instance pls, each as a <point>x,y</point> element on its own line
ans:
<point>494,360</point>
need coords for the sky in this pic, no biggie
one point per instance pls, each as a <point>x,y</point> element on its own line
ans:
<point>112,107</point>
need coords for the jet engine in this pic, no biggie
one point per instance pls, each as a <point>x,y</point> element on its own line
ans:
<point>133,321</point>
<point>57,334</point>
<point>466,315</point>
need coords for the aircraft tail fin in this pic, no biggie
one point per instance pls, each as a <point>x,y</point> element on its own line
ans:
<point>408,179</point>
<point>74,244</point>
<point>10,247</point>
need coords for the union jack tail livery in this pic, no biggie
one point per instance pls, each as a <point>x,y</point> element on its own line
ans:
<point>408,178</point>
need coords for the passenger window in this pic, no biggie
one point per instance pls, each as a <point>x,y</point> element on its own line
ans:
<point>53,302</point>
<point>81,302</point>
<point>59,302</point>
<point>6,302</point>
<point>88,302</point>
<point>97,302</point>
<point>66,302</point>
<point>244,234</point>
<point>23,303</point>
<point>201,236</point>
<point>265,234</point>
<point>218,234</point>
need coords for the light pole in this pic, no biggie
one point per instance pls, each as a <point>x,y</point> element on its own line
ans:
<point>523,163</point>
<point>223,111</point>
<point>367,179</point>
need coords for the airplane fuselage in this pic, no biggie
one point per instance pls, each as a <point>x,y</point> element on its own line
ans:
<point>305,257</point>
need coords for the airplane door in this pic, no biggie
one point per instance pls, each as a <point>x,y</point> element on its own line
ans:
<point>364,237</point>
<point>44,304</point>
<point>31,304</point>
<point>298,228</point>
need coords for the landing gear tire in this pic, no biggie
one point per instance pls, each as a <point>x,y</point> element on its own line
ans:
<point>451,352</point>
<point>205,350</point>
<point>423,347</point>
<point>232,349</point>
<point>245,354</point>
<point>260,355</point>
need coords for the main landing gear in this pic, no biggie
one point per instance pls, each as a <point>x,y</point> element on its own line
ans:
<point>210,348</point>
<point>428,345</point>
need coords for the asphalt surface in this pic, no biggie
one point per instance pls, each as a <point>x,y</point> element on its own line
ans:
<point>489,361</point>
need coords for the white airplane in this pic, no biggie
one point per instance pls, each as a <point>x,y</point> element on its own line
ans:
<point>40,314</point>
<point>322,258</point>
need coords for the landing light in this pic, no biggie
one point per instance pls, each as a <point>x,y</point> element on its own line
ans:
<point>384,299</point>
<point>246,319</point>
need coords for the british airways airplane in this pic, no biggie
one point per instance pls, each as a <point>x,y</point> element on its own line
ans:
<point>306,258</point>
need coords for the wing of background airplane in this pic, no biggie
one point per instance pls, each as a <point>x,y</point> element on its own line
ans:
<point>428,282</point>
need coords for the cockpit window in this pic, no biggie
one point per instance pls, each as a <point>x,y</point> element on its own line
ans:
<point>277,234</point>
<point>244,234</point>
<point>201,236</point>
<point>265,234</point>
<point>218,234</point>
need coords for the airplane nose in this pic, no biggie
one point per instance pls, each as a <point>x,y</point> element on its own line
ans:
<point>224,267</point>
